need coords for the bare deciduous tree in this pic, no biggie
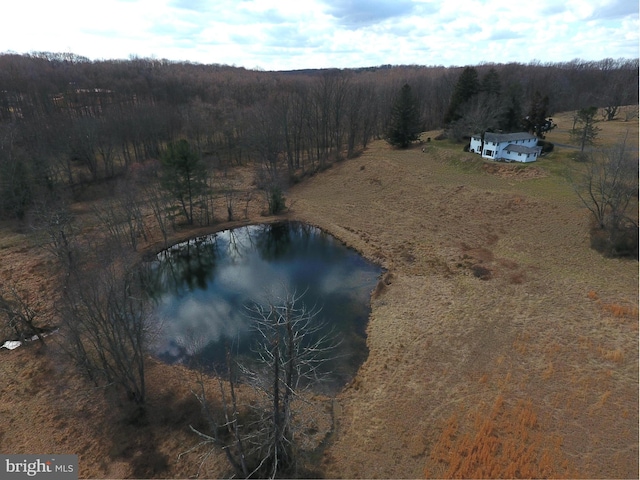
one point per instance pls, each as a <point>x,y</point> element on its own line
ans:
<point>606,185</point>
<point>107,325</point>
<point>479,114</point>
<point>291,351</point>
<point>122,216</point>
<point>19,315</point>
<point>55,230</point>
<point>610,112</point>
<point>145,178</point>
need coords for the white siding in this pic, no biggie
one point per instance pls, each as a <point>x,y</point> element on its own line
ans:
<point>476,144</point>
<point>496,148</point>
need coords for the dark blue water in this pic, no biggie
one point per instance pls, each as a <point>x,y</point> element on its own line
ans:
<point>205,286</point>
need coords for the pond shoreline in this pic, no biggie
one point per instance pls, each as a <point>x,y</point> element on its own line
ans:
<point>204,288</point>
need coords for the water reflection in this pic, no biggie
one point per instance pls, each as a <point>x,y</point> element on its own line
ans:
<point>203,286</point>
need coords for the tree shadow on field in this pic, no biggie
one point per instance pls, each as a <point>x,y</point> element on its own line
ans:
<point>149,464</point>
<point>135,434</point>
<point>618,242</point>
<point>137,445</point>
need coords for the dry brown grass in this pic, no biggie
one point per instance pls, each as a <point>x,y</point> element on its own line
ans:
<point>610,132</point>
<point>442,341</point>
<point>533,371</point>
<point>624,314</point>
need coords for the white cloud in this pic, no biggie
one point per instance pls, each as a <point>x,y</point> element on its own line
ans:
<point>276,34</point>
<point>198,322</point>
<point>360,13</point>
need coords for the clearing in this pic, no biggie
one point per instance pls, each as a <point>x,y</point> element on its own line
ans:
<point>496,334</point>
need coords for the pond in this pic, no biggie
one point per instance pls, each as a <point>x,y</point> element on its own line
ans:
<point>204,288</point>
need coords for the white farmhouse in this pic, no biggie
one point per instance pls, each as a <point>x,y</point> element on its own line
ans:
<point>509,147</point>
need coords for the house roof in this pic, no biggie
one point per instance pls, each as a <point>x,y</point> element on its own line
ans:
<point>522,149</point>
<point>507,137</point>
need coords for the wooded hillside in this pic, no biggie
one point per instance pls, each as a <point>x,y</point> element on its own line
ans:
<point>67,122</point>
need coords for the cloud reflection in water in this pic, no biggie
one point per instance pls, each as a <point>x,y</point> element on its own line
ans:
<point>233,269</point>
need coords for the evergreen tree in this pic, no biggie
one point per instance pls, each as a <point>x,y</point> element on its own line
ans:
<point>584,131</point>
<point>405,125</point>
<point>536,120</point>
<point>468,86</point>
<point>183,175</point>
<point>491,83</point>
<point>512,117</point>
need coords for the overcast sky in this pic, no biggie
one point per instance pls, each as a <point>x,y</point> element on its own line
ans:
<point>286,34</point>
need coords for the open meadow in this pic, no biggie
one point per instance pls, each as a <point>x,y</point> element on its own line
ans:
<point>500,344</point>
<point>500,339</point>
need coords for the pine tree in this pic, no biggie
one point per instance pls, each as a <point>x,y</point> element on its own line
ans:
<point>536,119</point>
<point>491,83</point>
<point>405,125</point>
<point>511,120</point>
<point>468,86</point>
<point>584,131</point>
<point>183,175</point>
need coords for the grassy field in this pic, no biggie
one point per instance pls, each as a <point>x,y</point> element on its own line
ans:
<point>498,326</point>
<point>500,344</point>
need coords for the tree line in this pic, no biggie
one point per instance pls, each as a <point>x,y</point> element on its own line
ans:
<point>67,122</point>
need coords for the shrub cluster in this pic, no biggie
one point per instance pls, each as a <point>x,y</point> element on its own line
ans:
<point>547,147</point>
<point>621,241</point>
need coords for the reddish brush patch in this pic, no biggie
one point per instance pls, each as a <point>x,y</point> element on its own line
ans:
<point>503,442</point>
<point>513,171</point>
<point>620,310</point>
